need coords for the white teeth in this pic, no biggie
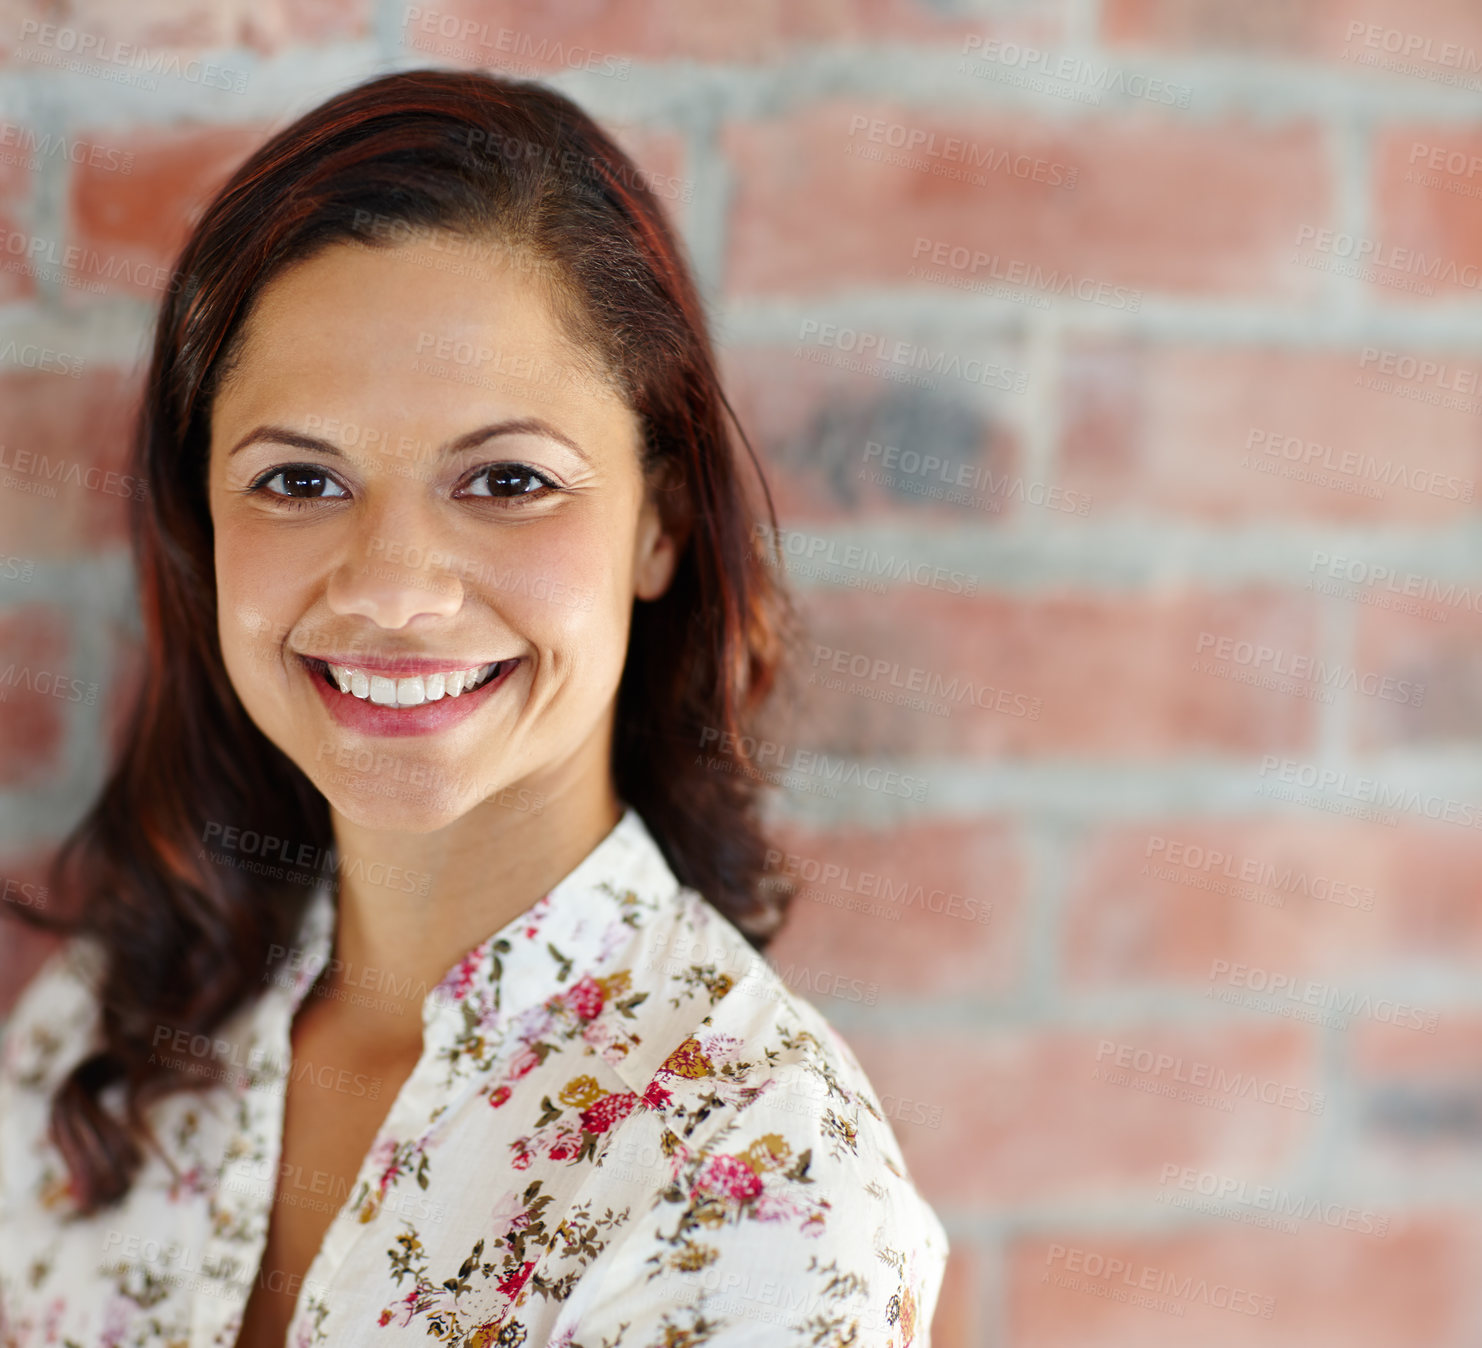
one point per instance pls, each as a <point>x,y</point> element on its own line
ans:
<point>409,692</point>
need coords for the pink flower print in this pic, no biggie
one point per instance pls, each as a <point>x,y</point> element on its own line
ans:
<point>599,1116</point>
<point>462,977</point>
<point>498,1096</point>
<point>566,1145</point>
<point>655,1096</point>
<point>730,1177</point>
<point>523,1061</point>
<point>585,997</point>
<point>511,1284</point>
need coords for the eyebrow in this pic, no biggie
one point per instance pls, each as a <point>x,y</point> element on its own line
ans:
<point>469,440</point>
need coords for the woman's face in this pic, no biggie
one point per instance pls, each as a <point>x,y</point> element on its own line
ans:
<point>414,477</point>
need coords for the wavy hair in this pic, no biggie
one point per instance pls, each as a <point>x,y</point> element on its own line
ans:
<point>471,155</point>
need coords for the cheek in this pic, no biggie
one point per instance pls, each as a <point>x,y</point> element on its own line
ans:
<point>254,601</point>
<point>570,590</point>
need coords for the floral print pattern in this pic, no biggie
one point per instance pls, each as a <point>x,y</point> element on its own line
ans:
<point>624,1130</point>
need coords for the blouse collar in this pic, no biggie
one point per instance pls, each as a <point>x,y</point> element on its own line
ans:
<point>532,955</point>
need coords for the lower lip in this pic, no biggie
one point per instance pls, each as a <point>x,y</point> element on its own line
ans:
<point>371,719</point>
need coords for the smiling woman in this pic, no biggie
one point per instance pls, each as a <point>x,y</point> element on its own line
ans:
<point>415,980</point>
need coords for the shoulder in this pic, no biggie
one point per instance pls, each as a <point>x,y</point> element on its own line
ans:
<point>776,1198</point>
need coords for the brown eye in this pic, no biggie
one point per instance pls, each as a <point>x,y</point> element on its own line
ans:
<point>510,481</point>
<point>300,481</point>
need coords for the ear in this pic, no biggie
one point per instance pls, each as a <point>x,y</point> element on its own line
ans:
<point>664,524</point>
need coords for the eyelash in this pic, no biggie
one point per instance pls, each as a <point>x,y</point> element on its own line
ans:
<point>518,501</point>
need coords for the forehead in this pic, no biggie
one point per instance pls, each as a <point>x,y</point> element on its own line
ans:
<point>433,331</point>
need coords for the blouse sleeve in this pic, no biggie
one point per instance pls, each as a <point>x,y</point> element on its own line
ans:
<point>788,1226</point>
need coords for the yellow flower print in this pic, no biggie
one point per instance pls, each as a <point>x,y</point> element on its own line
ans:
<point>689,1061</point>
<point>615,985</point>
<point>768,1152</point>
<point>579,1092</point>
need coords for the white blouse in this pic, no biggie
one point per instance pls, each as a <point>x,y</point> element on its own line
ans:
<point>624,1129</point>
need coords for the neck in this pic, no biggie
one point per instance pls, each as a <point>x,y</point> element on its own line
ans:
<point>411,905</point>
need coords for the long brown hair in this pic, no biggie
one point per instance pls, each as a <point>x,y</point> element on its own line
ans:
<point>185,940</point>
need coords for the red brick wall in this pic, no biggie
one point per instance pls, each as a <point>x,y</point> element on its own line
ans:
<point>1118,368</point>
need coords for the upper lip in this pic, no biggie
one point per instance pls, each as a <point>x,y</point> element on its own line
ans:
<point>400,666</point>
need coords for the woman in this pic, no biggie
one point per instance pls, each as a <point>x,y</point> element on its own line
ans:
<point>415,982</point>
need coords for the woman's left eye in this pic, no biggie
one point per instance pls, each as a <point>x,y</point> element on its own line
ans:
<point>511,481</point>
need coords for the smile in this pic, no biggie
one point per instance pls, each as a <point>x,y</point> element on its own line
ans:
<point>412,691</point>
<point>407,704</point>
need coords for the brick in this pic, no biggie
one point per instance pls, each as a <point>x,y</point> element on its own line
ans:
<point>941,879</point>
<point>1255,434</point>
<point>157,27</point>
<point>992,1118</point>
<point>1329,1286</point>
<point>1265,26</point>
<point>1189,208</point>
<point>130,227</point>
<point>1435,649</point>
<point>1427,198</point>
<point>1438,37</point>
<point>37,694</point>
<point>64,443</point>
<point>523,37</point>
<point>1162,900</point>
<point>1118,675</point>
<point>842,444</point>
<point>17,281</point>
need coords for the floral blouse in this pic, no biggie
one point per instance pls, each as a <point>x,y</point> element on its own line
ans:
<point>624,1130</point>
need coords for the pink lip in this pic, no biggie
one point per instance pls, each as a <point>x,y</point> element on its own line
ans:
<point>398,666</point>
<point>369,719</point>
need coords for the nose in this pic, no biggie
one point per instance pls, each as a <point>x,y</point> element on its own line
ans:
<point>393,569</point>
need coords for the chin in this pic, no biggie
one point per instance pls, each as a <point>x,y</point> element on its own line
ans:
<point>386,806</point>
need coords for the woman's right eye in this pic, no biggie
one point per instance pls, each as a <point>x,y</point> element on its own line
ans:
<point>301,482</point>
